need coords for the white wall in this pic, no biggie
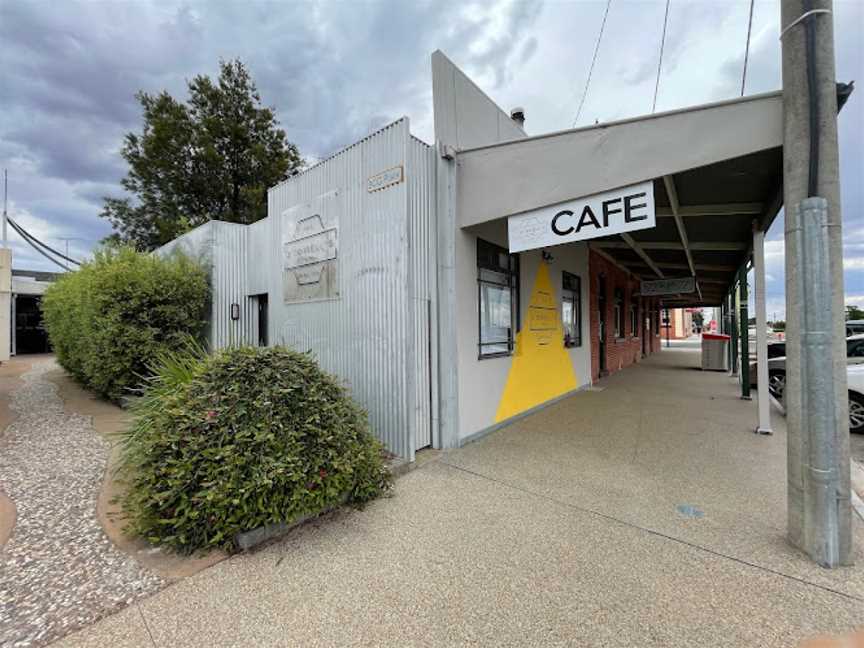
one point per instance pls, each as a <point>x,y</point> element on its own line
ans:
<point>482,382</point>
<point>5,304</point>
<point>465,117</point>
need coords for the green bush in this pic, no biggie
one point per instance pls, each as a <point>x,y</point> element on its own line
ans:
<point>246,437</point>
<point>109,319</point>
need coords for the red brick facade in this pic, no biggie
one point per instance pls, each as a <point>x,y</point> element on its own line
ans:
<point>621,288</point>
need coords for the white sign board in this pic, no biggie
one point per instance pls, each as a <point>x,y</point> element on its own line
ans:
<point>612,212</point>
<point>385,179</point>
<point>311,248</point>
<point>681,285</point>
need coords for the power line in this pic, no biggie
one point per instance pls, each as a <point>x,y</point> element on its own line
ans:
<point>27,234</point>
<point>660,62</point>
<point>35,247</point>
<point>593,61</point>
<point>36,243</point>
<point>747,47</point>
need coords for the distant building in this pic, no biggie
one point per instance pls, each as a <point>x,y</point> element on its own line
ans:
<point>27,332</point>
<point>679,325</point>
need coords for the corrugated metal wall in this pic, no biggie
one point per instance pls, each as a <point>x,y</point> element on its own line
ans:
<point>422,238</point>
<point>222,249</point>
<point>378,333</point>
<point>229,284</point>
<point>366,336</point>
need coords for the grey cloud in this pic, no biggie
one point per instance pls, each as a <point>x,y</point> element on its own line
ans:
<point>528,50</point>
<point>332,72</point>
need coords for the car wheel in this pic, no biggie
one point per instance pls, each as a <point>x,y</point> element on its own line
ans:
<point>856,413</point>
<point>777,383</point>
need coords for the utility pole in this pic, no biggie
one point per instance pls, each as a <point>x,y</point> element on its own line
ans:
<point>819,509</point>
<point>5,214</point>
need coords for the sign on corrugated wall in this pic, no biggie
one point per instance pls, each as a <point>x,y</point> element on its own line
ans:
<point>358,318</point>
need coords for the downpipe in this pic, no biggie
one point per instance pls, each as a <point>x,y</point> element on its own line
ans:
<point>818,398</point>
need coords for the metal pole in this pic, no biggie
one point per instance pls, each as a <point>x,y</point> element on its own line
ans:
<point>745,333</point>
<point>764,404</point>
<point>668,326</point>
<point>819,508</point>
<point>733,330</point>
<point>5,214</point>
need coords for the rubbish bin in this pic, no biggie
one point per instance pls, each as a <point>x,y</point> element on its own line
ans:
<point>715,352</point>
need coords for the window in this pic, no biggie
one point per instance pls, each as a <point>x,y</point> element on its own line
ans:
<point>619,313</point>
<point>634,317</point>
<point>571,309</point>
<point>498,286</point>
<point>855,348</point>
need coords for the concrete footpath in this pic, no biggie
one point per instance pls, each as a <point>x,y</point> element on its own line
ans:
<point>644,513</point>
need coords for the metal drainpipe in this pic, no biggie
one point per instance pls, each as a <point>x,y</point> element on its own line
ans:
<point>745,333</point>
<point>825,493</point>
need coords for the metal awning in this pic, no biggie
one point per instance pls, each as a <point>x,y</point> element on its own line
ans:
<point>717,169</point>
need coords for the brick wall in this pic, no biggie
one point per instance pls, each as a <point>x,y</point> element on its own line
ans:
<point>628,348</point>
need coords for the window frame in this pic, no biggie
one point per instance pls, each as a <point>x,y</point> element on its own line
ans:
<point>634,317</point>
<point>571,292</point>
<point>618,313</point>
<point>486,252</point>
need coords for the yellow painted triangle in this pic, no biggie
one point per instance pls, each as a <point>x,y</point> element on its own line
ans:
<point>541,367</point>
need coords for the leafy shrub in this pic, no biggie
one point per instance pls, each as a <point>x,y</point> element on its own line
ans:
<point>246,437</point>
<point>109,319</point>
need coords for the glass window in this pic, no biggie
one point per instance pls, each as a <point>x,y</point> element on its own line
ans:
<point>498,287</point>
<point>619,313</point>
<point>571,309</point>
<point>634,317</point>
<point>855,349</point>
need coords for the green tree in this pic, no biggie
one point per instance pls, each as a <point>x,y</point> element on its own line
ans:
<point>854,313</point>
<point>211,158</point>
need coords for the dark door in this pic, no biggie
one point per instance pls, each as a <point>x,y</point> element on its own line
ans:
<point>262,320</point>
<point>29,335</point>
<point>601,307</point>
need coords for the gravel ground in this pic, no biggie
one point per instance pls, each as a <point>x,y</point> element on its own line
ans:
<point>59,572</point>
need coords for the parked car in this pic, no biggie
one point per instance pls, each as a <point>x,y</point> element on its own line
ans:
<point>855,375</point>
<point>776,350</point>
<point>855,379</point>
<point>853,327</point>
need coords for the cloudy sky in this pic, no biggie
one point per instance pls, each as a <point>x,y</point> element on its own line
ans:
<point>335,70</point>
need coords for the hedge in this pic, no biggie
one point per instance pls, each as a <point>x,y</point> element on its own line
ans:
<point>246,437</point>
<point>109,319</point>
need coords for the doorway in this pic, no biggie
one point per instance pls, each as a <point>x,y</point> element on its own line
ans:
<point>260,308</point>
<point>601,307</point>
<point>28,335</point>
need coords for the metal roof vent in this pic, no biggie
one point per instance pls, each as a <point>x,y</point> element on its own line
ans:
<point>518,115</point>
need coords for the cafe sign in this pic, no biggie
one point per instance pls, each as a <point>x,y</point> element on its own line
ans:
<point>612,212</point>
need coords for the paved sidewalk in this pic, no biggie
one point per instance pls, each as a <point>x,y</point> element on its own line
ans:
<point>643,514</point>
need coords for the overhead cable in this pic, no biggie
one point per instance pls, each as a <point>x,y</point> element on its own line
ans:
<point>747,47</point>
<point>593,61</point>
<point>24,235</point>
<point>660,62</point>
<point>27,235</point>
